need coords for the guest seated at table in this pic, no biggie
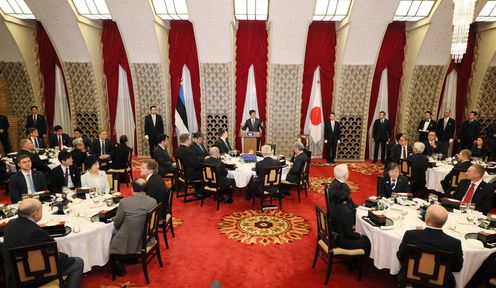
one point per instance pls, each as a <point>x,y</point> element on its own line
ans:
<point>25,181</point>
<point>192,167</point>
<point>27,148</point>
<point>79,153</point>
<point>402,150</point>
<point>222,143</point>
<point>65,175</point>
<point>129,222</point>
<point>59,138</point>
<point>303,140</point>
<point>198,147</point>
<point>390,146</point>
<point>475,190</point>
<point>94,177</point>
<point>161,155</point>
<point>101,148</point>
<point>299,160</point>
<point>432,146</point>
<point>120,154</point>
<point>342,219</point>
<point>79,135</point>
<point>432,237</point>
<point>462,165</point>
<point>38,141</point>
<point>23,231</point>
<point>485,273</point>
<point>226,184</point>
<point>479,149</point>
<point>155,185</point>
<point>419,164</point>
<point>393,181</point>
<point>341,175</point>
<point>255,185</point>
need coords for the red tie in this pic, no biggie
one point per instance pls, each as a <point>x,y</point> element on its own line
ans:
<point>404,152</point>
<point>469,194</point>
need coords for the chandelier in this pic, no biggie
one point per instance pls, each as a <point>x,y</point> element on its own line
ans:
<point>463,15</point>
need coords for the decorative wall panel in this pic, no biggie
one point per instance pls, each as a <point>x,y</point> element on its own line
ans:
<point>351,106</point>
<point>486,104</point>
<point>283,106</point>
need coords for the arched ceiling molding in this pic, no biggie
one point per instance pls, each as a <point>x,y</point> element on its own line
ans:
<point>369,20</point>
<point>136,25</point>
<point>212,24</point>
<point>289,26</point>
<point>60,22</point>
<point>9,52</point>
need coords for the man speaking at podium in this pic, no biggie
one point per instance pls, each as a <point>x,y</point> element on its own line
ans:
<point>253,124</point>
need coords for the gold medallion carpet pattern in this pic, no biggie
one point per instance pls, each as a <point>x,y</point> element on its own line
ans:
<point>176,222</point>
<point>367,168</point>
<point>317,184</point>
<point>264,228</point>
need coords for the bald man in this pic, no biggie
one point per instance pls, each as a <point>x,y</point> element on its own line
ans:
<point>23,231</point>
<point>432,237</point>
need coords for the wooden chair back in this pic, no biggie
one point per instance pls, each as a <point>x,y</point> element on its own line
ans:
<point>427,267</point>
<point>36,264</point>
<point>458,176</point>
<point>305,171</point>
<point>323,231</point>
<point>181,174</point>
<point>272,178</point>
<point>210,179</point>
<point>406,168</point>
<point>151,226</point>
<point>114,182</point>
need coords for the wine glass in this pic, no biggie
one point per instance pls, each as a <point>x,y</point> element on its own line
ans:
<point>463,207</point>
<point>471,207</point>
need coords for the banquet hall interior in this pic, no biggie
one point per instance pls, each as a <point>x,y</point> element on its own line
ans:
<point>344,95</point>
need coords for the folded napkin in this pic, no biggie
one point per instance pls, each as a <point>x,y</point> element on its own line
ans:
<point>397,207</point>
<point>386,227</point>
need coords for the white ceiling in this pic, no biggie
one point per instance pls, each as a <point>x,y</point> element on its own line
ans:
<point>8,48</point>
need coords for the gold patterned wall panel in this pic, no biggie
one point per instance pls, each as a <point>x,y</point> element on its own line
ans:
<point>423,95</point>
<point>20,91</point>
<point>486,102</point>
<point>283,106</point>
<point>351,107</point>
<point>149,89</point>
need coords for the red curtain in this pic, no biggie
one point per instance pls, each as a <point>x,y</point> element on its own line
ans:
<point>251,49</point>
<point>390,57</point>
<point>114,56</point>
<point>182,51</point>
<point>48,60</point>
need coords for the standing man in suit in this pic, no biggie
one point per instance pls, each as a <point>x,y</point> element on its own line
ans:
<point>161,155</point>
<point>37,121</point>
<point>25,181</point>
<point>222,143</point>
<point>432,146</point>
<point>253,124</point>
<point>332,136</point>
<point>27,148</point>
<point>155,185</point>
<point>446,131</point>
<point>419,164</point>
<point>197,146</point>
<point>4,133</point>
<point>65,175</point>
<point>393,181</point>
<point>59,138</point>
<point>425,126</point>
<point>102,148</point>
<point>475,190</point>
<point>462,165</point>
<point>255,185</point>
<point>226,184</point>
<point>432,237</point>
<point>192,166</point>
<point>380,136</point>
<point>153,127</point>
<point>402,150</point>
<point>38,142</point>
<point>469,131</point>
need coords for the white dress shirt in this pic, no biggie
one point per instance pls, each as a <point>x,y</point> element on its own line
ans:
<point>32,189</point>
<point>426,125</point>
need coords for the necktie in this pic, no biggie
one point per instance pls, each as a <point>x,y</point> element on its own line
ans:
<point>469,194</point>
<point>66,177</point>
<point>445,123</point>
<point>201,147</point>
<point>30,184</point>
<point>36,144</point>
<point>393,183</point>
<point>102,152</point>
<point>382,121</point>
<point>34,120</point>
<point>60,141</point>
<point>253,123</point>
<point>404,153</point>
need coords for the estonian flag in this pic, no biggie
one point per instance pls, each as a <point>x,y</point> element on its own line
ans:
<point>185,115</point>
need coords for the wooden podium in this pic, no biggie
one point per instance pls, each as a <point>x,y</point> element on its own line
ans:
<point>249,141</point>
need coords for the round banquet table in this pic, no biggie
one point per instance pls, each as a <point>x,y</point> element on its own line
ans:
<point>92,242</point>
<point>385,243</point>
<point>244,172</point>
<point>436,174</point>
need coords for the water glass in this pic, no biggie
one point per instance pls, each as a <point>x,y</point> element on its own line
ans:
<point>463,207</point>
<point>471,207</point>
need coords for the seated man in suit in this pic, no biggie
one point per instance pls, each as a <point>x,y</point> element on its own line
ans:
<point>462,165</point>
<point>65,175</point>
<point>120,155</point>
<point>38,141</point>
<point>419,164</point>
<point>198,147</point>
<point>222,143</point>
<point>129,222</point>
<point>294,173</point>
<point>59,138</point>
<point>79,135</point>
<point>192,166</point>
<point>475,190</point>
<point>402,150</point>
<point>161,155</point>
<point>390,146</point>
<point>255,185</point>
<point>102,147</point>
<point>432,237</point>
<point>337,186</point>
<point>432,146</point>
<point>23,231</point>
<point>393,181</point>
<point>155,185</point>
<point>226,184</point>
<point>25,181</point>
<point>27,148</point>
<point>79,153</point>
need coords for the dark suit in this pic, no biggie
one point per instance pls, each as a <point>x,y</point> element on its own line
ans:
<point>226,184</point>
<point>155,188</point>
<point>22,232</point>
<point>192,167</point>
<point>294,173</point>
<point>199,150</point>
<point>224,147</point>
<point>86,141</point>
<point>36,162</point>
<point>18,185</point>
<point>419,164</point>
<point>385,188</point>
<point>164,161</point>
<point>431,127</point>
<point>429,150</point>
<point>482,197</point>
<point>153,130</point>
<point>40,123</point>
<point>491,139</point>
<point>468,133</point>
<point>57,177</point>
<point>479,152</point>
<point>445,134</point>
<point>332,136</point>
<point>95,148</point>
<point>397,150</point>
<point>334,188</point>
<point>342,219</point>
<point>78,157</point>
<point>461,166</point>
<point>255,185</point>
<point>54,142</point>
<point>41,142</point>
<point>255,128</point>
<point>431,239</point>
<point>380,133</point>
<point>4,136</point>
<point>120,156</point>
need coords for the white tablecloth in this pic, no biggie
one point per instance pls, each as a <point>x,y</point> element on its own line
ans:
<point>436,174</point>
<point>385,243</point>
<point>11,166</point>
<point>244,172</point>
